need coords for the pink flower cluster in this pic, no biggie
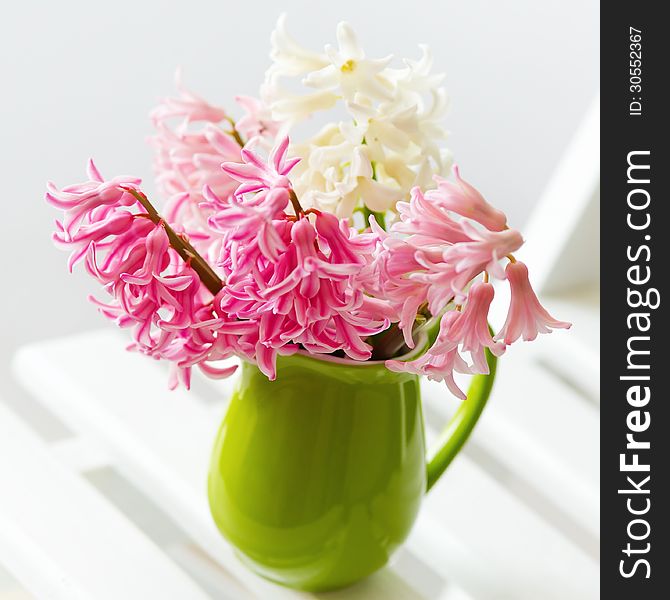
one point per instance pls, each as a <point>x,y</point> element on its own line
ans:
<point>192,140</point>
<point>292,275</point>
<point>152,290</point>
<point>292,280</point>
<point>431,258</point>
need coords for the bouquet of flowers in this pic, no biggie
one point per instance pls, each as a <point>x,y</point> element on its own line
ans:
<point>358,239</point>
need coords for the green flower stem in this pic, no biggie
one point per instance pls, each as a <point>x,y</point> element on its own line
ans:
<point>459,428</point>
<point>234,133</point>
<point>299,212</point>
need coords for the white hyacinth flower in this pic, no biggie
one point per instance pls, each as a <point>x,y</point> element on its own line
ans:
<point>392,139</point>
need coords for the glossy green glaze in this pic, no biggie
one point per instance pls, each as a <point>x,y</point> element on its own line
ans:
<point>317,477</point>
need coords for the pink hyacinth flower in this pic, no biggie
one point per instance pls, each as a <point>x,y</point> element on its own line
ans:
<point>463,199</point>
<point>526,317</point>
<point>188,106</point>
<point>153,291</point>
<point>87,235</point>
<point>190,144</point>
<point>343,244</point>
<point>255,174</point>
<point>257,120</point>
<point>306,296</point>
<point>440,361</point>
<point>389,276</point>
<point>190,151</point>
<point>427,222</point>
<point>442,281</point>
<point>484,252</point>
<point>251,223</point>
<point>79,200</point>
<point>470,328</point>
<point>308,272</point>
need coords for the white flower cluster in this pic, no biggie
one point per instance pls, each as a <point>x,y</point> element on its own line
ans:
<point>391,138</point>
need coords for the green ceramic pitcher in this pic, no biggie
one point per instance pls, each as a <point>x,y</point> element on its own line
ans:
<point>317,477</point>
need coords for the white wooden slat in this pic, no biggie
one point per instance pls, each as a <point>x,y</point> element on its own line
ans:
<point>541,431</point>
<point>10,589</point>
<point>452,593</point>
<point>149,473</point>
<point>63,540</point>
<point>387,585</point>
<point>509,546</point>
<point>500,512</point>
<point>125,419</point>
<point>79,454</point>
<point>160,439</point>
<point>15,594</point>
<point>576,354</point>
<point>220,584</point>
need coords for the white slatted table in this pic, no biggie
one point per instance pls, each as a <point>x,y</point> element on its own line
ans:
<point>515,517</point>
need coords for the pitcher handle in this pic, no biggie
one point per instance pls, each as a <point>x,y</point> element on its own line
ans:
<point>461,424</point>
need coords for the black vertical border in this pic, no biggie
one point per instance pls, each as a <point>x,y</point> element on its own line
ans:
<point>622,133</point>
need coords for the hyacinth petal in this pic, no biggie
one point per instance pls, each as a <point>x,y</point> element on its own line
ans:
<point>278,153</point>
<point>252,159</point>
<point>217,373</point>
<point>440,361</point>
<point>290,163</point>
<point>484,251</point>
<point>462,198</point>
<point>257,121</point>
<point>255,174</point>
<point>240,171</point>
<point>447,378</point>
<point>179,375</point>
<point>470,328</point>
<point>284,287</point>
<point>76,256</point>
<point>220,141</point>
<point>177,283</point>
<point>266,360</point>
<point>92,172</point>
<point>355,347</point>
<point>526,316</point>
<point>427,222</point>
<point>407,317</point>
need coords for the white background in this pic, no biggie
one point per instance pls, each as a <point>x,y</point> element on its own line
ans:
<point>79,77</point>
